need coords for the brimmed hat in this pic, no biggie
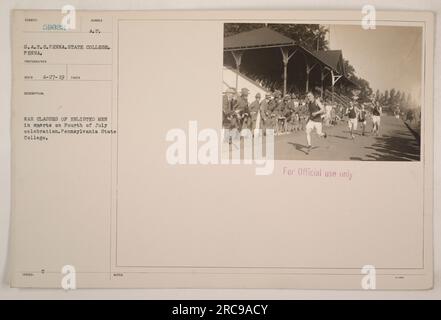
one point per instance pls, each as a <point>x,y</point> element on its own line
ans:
<point>244,91</point>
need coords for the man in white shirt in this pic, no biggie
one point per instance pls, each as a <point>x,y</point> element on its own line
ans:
<point>316,110</point>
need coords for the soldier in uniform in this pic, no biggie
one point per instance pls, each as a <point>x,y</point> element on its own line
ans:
<point>271,119</point>
<point>295,103</point>
<point>277,111</point>
<point>288,113</point>
<point>281,108</point>
<point>264,112</point>
<point>227,107</point>
<point>242,110</point>
<point>255,113</point>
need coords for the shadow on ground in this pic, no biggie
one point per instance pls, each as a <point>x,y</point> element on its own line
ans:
<point>299,147</point>
<point>394,147</point>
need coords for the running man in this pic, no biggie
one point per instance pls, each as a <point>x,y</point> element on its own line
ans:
<point>376,117</point>
<point>362,119</point>
<point>352,113</point>
<point>316,110</point>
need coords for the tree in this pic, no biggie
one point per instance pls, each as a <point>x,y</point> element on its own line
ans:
<point>234,28</point>
<point>310,36</point>
<point>349,69</point>
<point>365,89</point>
<point>392,97</point>
<point>377,95</point>
<point>409,100</point>
<point>362,84</point>
<point>386,98</point>
<point>397,98</point>
<point>381,98</point>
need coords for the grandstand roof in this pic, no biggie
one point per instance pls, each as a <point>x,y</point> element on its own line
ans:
<point>332,58</point>
<point>267,38</point>
<point>257,38</point>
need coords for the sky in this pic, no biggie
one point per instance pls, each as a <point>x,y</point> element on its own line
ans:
<point>388,56</point>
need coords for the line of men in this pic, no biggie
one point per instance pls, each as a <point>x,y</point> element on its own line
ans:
<point>283,114</point>
<point>358,114</point>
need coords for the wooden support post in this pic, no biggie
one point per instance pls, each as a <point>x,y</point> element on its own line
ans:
<point>308,71</point>
<point>237,55</point>
<point>307,80</point>
<point>285,58</point>
<point>335,78</point>
<point>333,94</point>
<point>323,76</point>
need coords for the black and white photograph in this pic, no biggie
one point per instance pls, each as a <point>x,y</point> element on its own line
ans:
<point>233,155</point>
<point>328,92</point>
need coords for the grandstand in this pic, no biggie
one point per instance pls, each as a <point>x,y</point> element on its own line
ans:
<point>267,60</point>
